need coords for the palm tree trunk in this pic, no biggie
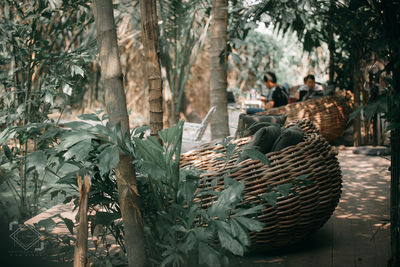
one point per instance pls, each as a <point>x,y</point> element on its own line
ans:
<point>115,101</point>
<point>152,67</point>
<point>218,79</point>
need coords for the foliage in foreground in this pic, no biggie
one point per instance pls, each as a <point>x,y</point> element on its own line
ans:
<point>178,230</point>
<point>39,66</point>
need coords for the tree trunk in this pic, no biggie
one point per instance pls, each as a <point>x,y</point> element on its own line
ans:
<point>115,101</point>
<point>80,255</point>
<point>218,79</point>
<point>331,44</point>
<point>357,86</point>
<point>391,20</point>
<point>148,13</point>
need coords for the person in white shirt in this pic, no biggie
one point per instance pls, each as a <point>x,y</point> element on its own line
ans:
<point>310,89</point>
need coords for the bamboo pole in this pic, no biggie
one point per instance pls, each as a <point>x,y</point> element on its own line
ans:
<point>80,255</point>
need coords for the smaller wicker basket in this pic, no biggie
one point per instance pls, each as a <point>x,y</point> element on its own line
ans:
<point>296,216</point>
<point>330,114</point>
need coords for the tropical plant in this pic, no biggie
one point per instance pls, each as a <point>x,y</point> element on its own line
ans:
<point>38,75</point>
<point>182,34</point>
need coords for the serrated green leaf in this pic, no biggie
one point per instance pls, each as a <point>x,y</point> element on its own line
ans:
<point>256,155</point>
<point>284,189</point>
<point>239,232</point>
<point>271,198</point>
<point>208,255</point>
<point>252,210</point>
<point>228,197</point>
<point>250,224</point>
<point>230,243</point>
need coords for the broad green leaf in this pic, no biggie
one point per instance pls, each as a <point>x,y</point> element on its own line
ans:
<point>229,150</point>
<point>187,189</point>
<point>208,255</point>
<point>78,125</point>
<point>271,198</point>
<point>284,189</point>
<point>69,223</point>
<point>108,159</point>
<point>89,117</point>
<point>249,211</point>
<point>189,243</point>
<point>230,243</point>
<point>256,155</point>
<point>250,224</point>
<point>7,152</point>
<point>152,169</point>
<point>223,226</point>
<point>71,138</point>
<point>228,197</point>
<point>76,70</point>
<point>79,150</point>
<point>239,232</point>
<point>7,134</point>
<point>170,135</point>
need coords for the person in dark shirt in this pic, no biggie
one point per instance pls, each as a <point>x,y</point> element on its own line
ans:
<point>277,95</point>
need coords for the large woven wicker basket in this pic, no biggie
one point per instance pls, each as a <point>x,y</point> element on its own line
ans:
<point>330,114</point>
<point>301,213</point>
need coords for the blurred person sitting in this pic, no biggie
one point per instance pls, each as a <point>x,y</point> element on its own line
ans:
<point>310,89</point>
<point>277,95</point>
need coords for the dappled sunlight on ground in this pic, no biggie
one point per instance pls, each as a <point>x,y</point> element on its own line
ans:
<point>357,234</point>
<point>366,184</point>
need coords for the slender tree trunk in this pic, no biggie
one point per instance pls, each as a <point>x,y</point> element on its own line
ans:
<point>331,44</point>
<point>391,20</point>
<point>80,256</point>
<point>115,101</point>
<point>218,79</point>
<point>357,85</point>
<point>152,67</point>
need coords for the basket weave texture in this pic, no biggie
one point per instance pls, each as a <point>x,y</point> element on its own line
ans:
<point>330,114</point>
<point>296,216</point>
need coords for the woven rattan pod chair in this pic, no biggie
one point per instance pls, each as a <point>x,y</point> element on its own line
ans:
<point>330,114</point>
<point>296,216</point>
